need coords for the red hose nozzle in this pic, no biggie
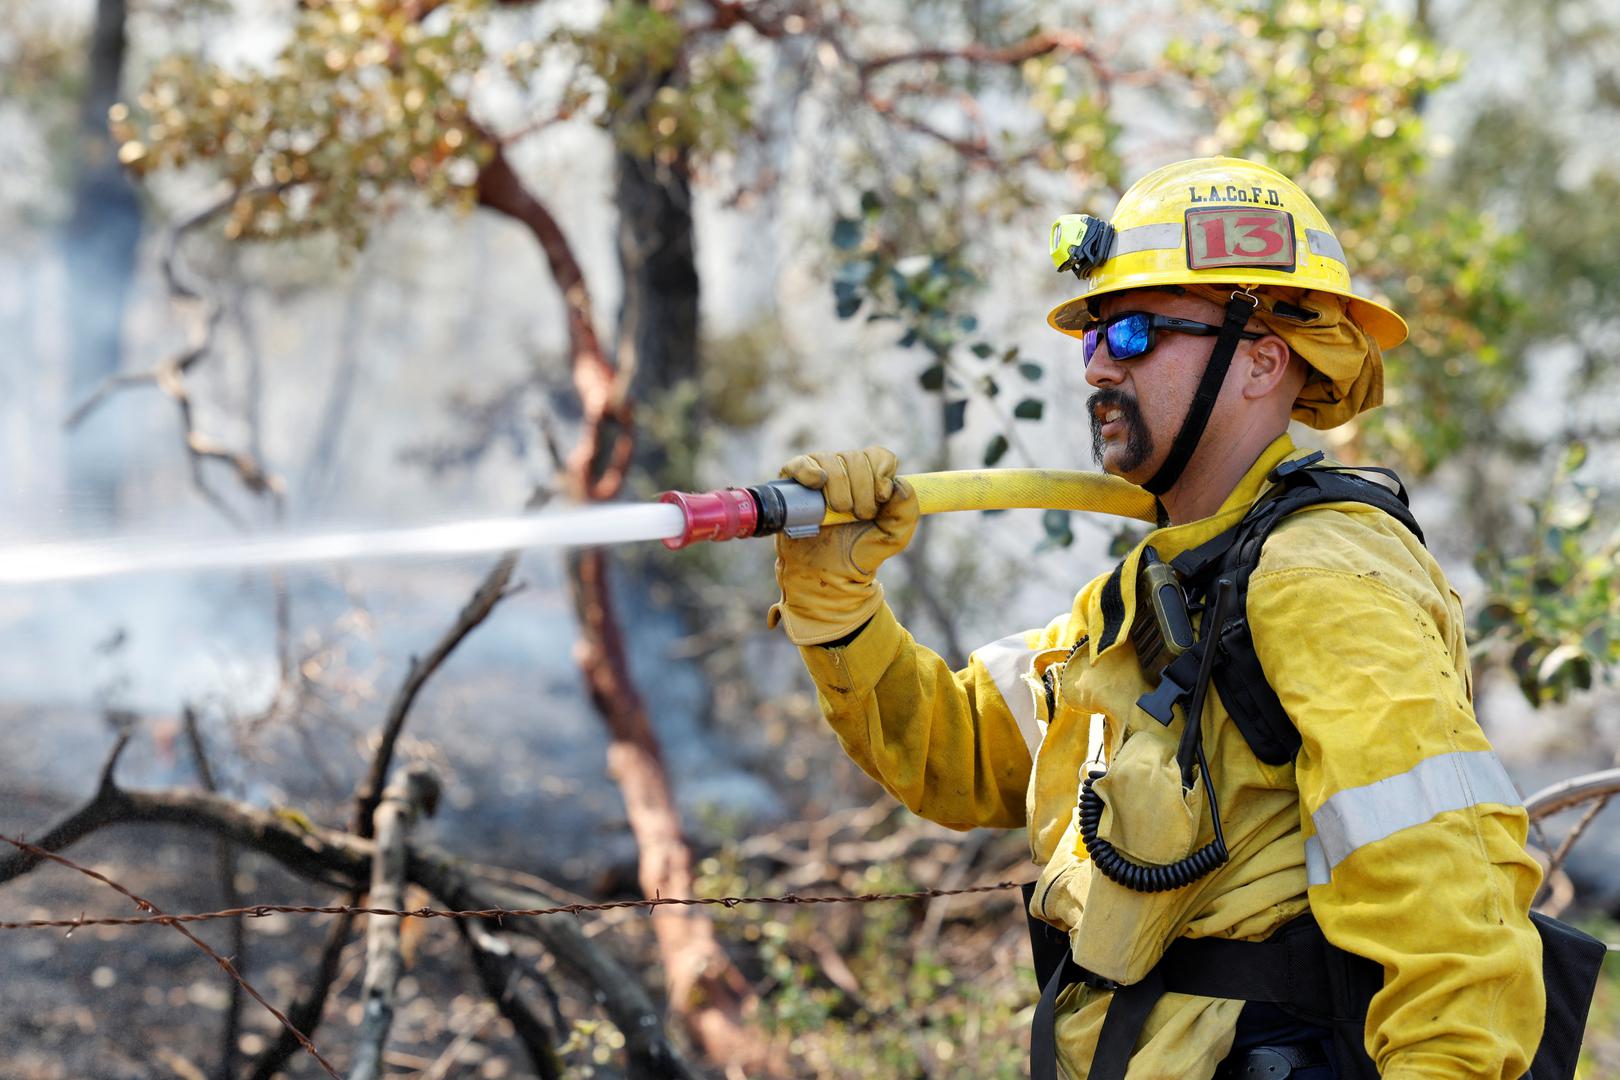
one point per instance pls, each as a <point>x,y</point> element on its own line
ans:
<point>727,514</point>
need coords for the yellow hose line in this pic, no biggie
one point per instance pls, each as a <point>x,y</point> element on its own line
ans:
<point>1026,489</point>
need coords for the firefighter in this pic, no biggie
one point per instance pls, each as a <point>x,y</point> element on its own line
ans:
<point>1216,306</point>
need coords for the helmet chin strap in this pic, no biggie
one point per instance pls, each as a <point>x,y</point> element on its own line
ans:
<point>1238,310</point>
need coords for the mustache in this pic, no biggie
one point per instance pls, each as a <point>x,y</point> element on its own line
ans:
<point>1110,398</point>
<point>1138,442</point>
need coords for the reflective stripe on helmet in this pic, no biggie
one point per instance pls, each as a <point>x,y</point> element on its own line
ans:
<point>1167,235</point>
<point>1146,238</point>
<point>1325,244</point>
<point>1356,817</point>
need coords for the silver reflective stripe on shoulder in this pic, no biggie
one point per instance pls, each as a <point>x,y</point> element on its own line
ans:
<point>1006,661</point>
<point>1325,244</point>
<point>1146,238</point>
<point>1356,817</point>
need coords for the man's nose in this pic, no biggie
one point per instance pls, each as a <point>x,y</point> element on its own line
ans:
<point>1104,370</point>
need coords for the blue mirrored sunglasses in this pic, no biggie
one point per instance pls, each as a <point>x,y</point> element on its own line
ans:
<point>1131,334</point>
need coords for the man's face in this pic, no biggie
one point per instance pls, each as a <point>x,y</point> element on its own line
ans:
<point>1139,404</point>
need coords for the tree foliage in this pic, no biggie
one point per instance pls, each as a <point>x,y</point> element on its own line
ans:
<point>1557,604</point>
<point>1333,94</point>
<point>372,98</point>
<point>364,98</point>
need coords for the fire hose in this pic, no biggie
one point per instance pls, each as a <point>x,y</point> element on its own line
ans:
<point>783,506</point>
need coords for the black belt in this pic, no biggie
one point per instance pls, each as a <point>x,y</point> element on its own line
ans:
<point>1271,1062</point>
<point>1285,969</point>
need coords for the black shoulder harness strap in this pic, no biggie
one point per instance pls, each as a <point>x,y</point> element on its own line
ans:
<point>1241,682</point>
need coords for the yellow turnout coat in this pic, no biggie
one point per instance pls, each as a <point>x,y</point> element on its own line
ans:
<point>1395,825</point>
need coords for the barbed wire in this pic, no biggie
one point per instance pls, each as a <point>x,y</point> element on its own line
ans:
<point>161,918</point>
<point>259,911</point>
<point>158,917</point>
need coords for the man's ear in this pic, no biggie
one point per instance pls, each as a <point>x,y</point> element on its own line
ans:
<point>1270,364</point>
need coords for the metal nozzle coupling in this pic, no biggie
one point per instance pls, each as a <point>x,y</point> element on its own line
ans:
<point>736,513</point>
<point>727,514</point>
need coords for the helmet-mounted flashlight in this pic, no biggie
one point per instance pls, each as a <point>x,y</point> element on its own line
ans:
<point>1081,243</point>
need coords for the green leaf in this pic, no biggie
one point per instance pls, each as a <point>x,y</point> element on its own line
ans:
<point>970,323</point>
<point>1030,370</point>
<point>1029,409</point>
<point>848,298</point>
<point>932,377</point>
<point>1055,523</point>
<point>982,350</point>
<point>995,451</point>
<point>990,387</point>
<point>955,416</point>
<point>871,204</point>
<point>846,233</point>
<point>1010,355</point>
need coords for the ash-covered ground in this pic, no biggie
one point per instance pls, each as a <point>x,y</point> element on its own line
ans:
<point>503,722</point>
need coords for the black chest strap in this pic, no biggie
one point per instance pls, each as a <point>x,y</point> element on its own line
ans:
<point>1239,678</point>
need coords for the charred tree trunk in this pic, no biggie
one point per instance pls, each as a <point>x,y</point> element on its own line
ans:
<point>658,330</point>
<point>658,319</point>
<point>98,249</point>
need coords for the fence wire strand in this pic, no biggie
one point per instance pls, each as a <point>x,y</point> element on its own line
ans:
<point>259,911</point>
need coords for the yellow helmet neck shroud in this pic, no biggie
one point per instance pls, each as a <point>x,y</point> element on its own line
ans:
<point>1211,224</point>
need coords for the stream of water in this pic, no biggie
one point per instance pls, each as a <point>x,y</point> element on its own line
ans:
<point>115,556</point>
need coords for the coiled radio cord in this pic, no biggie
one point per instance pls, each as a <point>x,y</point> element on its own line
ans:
<point>1152,878</point>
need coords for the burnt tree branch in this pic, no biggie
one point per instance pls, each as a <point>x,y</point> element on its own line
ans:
<point>489,593</point>
<point>231,897</point>
<point>501,975</point>
<point>306,1012</point>
<point>414,793</point>
<point>333,857</point>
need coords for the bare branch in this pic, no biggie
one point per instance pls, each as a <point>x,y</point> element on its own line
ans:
<point>1040,44</point>
<point>169,374</point>
<point>489,593</point>
<point>306,1012</point>
<point>499,973</point>
<point>335,857</point>
<point>975,149</point>
<point>413,793</point>
<point>598,463</point>
<point>225,867</point>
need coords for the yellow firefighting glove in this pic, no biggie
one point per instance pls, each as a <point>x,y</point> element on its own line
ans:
<point>829,586</point>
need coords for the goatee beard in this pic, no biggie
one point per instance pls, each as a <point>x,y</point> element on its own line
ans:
<point>1138,440</point>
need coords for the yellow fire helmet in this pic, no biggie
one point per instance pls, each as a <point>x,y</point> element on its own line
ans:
<point>1224,222</point>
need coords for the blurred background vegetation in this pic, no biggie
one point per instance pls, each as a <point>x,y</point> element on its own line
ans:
<point>271,261</point>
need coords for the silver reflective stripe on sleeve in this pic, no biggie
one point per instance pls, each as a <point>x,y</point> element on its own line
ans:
<point>1317,870</point>
<point>1006,661</point>
<point>1356,817</point>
